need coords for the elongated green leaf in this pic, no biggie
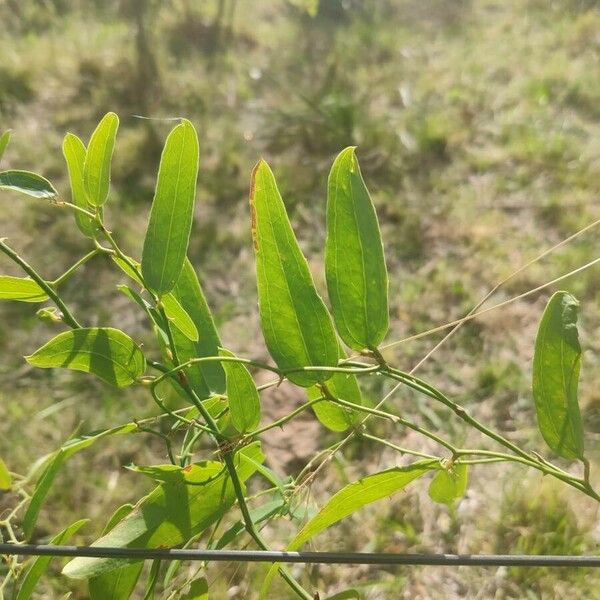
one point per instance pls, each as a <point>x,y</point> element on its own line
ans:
<point>27,183</point>
<point>53,462</point>
<point>357,278</point>
<point>204,378</point>
<point>5,478</point>
<point>128,270</point>
<point>166,242</point>
<point>179,318</point>
<point>21,288</point>
<point>115,585</point>
<point>449,485</point>
<point>556,365</point>
<point>120,583</point>
<point>98,158</point>
<point>108,353</point>
<point>358,494</point>
<point>74,152</point>
<point>244,402</point>
<point>4,139</point>
<point>297,328</point>
<point>189,502</point>
<point>198,590</point>
<point>41,563</point>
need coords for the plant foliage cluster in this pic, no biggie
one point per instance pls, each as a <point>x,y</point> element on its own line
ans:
<point>325,351</point>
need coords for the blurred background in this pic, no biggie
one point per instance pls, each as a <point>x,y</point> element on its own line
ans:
<point>478,131</point>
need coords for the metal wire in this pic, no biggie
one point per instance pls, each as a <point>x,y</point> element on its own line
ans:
<point>339,558</point>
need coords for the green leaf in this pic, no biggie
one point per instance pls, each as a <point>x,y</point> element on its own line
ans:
<point>96,169</point>
<point>128,270</point>
<point>53,462</point>
<point>198,590</point>
<point>21,288</point>
<point>244,402</point>
<point>209,377</point>
<point>27,183</point>
<point>556,365</point>
<point>358,494</point>
<point>74,152</point>
<point>297,328</point>
<point>357,279</point>
<point>179,318</point>
<point>167,237</point>
<point>120,583</point>
<point>331,415</point>
<point>190,501</point>
<point>449,484</point>
<point>5,478</point>
<point>41,563</point>
<point>108,353</point>
<point>4,139</point>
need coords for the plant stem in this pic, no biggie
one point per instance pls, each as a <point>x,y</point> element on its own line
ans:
<point>227,458</point>
<point>391,417</point>
<point>284,419</point>
<point>399,448</point>
<point>68,318</point>
<point>251,528</point>
<point>543,466</point>
<point>58,281</point>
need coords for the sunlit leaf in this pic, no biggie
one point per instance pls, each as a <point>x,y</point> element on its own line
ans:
<point>187,503</point>
<point>449,485</point>
<point>297,328</point>
<point>21,288</point>
<point>52,464</point>
<point>556,365</point>
<point>27,183</point>
<point>209,377</point>
<point>357,279</point>
<point>4,140</point>
<point>74,152</point>
<point>108,353</point>
<point>126,267</point>
<point>165,245</point>
<point>98,158</point>
<point>41,563</point>
<point>333,416</point>
<point>359,493</point>
<point>244,402</point>
<point>5,478</point>
<point>179,318</point>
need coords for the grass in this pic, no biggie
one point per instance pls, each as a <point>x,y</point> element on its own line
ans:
<point>477,126</point>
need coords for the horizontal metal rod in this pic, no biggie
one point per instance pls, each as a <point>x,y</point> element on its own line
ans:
<point>340,558</point>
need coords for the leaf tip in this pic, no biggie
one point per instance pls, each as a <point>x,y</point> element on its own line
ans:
<point>259,166</point>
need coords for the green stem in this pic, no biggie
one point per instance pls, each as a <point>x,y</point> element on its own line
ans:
<point>285,419</point>
<point>544,467</point>
<point>79,263</point>
<point>394,418</point>
<point>229,463</point>
<point>399,449</point>
<point>251,528</point>
<point>368,369</point>
<point>68,318</point>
